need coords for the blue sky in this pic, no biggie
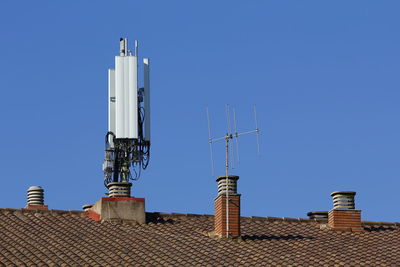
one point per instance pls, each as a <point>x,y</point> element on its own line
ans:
<point>323,74</point>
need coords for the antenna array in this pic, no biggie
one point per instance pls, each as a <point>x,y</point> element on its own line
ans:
<point>128,136</point>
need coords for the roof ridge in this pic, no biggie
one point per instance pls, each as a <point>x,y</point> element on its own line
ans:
<point>50,211</point>
<point>174,214</point>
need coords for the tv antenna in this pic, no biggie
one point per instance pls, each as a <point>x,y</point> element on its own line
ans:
<point>229,151</point>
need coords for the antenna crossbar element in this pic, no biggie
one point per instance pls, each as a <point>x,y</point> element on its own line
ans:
<point>249,132</point>
<point>229,136</point>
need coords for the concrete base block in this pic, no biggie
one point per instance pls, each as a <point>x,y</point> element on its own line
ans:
<point>119,208</point>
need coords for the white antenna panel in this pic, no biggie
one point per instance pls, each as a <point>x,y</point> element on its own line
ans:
<point>126,104</point>
<point>146,63</point>
<point>111,103</point>
<point>119,98</point>
<point>132,121</point>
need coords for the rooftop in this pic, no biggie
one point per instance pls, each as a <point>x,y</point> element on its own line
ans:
<point>71,238</point>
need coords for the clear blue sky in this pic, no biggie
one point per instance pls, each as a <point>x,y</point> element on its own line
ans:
<point>324,76</point>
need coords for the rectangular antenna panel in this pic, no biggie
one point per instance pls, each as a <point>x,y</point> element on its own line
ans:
<point>111,103</point>
<point>146,62</point>
<point>126,104</point>
<point>132,122</point>
<point>119,98</point>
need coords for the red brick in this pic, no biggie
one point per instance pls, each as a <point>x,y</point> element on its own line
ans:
<point>220,215</point>
<point>345,220</point>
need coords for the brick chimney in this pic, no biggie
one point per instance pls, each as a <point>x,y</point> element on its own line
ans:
<point>227,207</point>
<point>344,216</point>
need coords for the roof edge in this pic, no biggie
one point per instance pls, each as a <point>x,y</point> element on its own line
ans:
<point>189,215</point>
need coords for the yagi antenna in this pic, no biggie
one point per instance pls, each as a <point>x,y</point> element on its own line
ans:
<point>229,154</point>
<point>229,136</point>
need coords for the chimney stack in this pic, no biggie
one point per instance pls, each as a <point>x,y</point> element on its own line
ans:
<point>344,216</point>
<point>118,206</point>
<point>36,199</point>
<point>227,207</point>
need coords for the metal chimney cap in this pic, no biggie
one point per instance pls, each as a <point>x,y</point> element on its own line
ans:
<point>317,214</point>
<point>343,200</point>
<point>87,207</point>
<point>35,187</point>
<point>230,177</point>
<point>35,195</point>
<point>349,193</point>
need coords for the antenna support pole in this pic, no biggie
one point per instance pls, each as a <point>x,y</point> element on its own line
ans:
<point>227,137</point>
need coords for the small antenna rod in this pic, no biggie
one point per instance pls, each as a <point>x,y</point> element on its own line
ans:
<point>236,136</point>
<point>210,141</point>
<point>257,130</point>
<point>229,133</point>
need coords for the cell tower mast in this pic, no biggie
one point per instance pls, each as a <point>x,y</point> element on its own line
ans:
<point>128,138</point>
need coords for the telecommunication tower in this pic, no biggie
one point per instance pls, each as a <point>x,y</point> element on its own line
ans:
<point>127,141</point>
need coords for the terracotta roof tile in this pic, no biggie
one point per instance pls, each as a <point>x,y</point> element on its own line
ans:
<point>69,238</point>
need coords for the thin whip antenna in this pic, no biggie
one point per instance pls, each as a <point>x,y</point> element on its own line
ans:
<point>210,142</point>
<point>257,130</point>
<point>136,48</point>
<point>236,134</point>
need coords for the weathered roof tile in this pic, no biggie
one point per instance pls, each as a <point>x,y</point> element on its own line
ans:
<point>69,238</point>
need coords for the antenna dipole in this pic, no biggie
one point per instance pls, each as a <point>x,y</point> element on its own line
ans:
<point>229,133</point>
<point>228,148</point>
<point>209,141</point>
<point>236,137</point>
<point>257,130</point>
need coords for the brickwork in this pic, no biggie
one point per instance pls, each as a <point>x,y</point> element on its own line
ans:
<point>36,207</point>
<point>93,215</point>
<point>220,215</point>
<point>345,220</point>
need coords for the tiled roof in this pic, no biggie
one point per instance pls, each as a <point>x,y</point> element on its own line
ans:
<point>69,238</point>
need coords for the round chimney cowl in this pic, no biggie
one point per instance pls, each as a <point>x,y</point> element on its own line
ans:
<point>317,214</point>
<point>119,189</point>
<point>343,200</point>
<point>35,195</point>
<point>232,184</point>
<point>87,207</point>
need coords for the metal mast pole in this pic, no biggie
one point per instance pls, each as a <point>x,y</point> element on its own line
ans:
<point>226,183</point>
